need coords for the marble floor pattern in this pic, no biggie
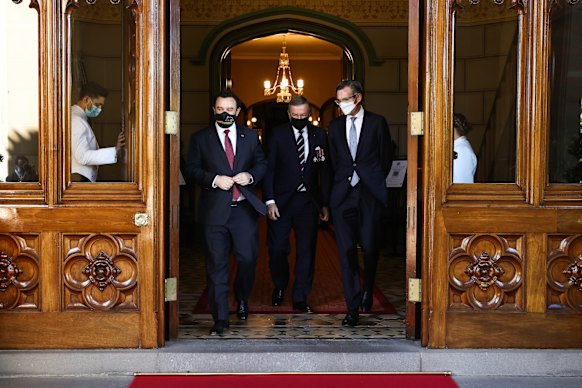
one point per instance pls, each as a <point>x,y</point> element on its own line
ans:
<point>390,280</point>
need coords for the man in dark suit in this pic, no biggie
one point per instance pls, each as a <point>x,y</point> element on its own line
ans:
<point>227,161</point>
<point>296,192</point>
<point>361,155</point>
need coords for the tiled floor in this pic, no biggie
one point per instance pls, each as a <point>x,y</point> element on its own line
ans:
<point>390,280</point>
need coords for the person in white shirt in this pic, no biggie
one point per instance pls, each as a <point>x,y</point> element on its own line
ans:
<point>86,156</point>
<point>464,159</point>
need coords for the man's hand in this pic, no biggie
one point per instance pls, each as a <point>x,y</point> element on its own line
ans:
<point>242,178</point>
<point>324,216</point>
<point>223,182</point>
<point>120,141</point>
<point>273,212</point>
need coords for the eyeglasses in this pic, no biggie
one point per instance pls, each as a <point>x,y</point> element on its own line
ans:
<point>346,99</point>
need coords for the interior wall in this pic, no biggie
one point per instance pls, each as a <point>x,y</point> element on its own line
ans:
<point>480,59</point>
<point>100,60</point>
<point>385,83</point>
<point>19,89</point>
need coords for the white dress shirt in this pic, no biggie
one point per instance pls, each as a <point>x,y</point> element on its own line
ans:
<point>86,156</point>
<point>465,164</point>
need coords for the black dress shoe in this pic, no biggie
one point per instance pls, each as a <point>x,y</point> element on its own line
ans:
<point>278,296</point>
<point>303,307</point>
<point>218,327</point>
<point>242,311</point>
<point>351,319</point>
<point>366,304</point>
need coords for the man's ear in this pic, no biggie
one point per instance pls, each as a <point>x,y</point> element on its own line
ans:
<point>237,111</point>
<point>85,101</point>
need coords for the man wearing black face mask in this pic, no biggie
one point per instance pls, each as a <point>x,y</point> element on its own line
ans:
<point>296,191</point>
<point>227,161</point>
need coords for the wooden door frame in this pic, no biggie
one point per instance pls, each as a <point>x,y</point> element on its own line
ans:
<point>173,100</point>
<point>412,182</point>
<point>413,215</point>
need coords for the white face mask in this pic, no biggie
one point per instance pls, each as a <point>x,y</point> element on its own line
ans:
<point>347,106</point>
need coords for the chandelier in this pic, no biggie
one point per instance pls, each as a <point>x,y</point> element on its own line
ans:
<point>284,80</point>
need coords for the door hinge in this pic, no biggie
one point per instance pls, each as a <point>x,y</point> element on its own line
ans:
<point>171,289</point>
<point>414,290</point>
<point>171,122</point>
<point>416,123</point>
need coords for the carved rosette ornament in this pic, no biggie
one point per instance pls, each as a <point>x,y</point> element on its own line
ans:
<point>8,271</point>
<point>485,274</point>
<point>100,273</point>
<point>19,273</point>
<point>574,273</point>
<point>484,271</point>
<point>564,275</point>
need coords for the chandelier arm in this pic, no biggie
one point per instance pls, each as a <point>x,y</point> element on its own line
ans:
<point>291,83</point>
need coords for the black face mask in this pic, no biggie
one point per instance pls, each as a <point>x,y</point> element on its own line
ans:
<point>224,120</point>
<point>299,123</point>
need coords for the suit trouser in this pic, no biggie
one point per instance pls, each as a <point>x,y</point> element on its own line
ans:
<point>357,220</point>
<point>239,233</point>
<point>301,215</point>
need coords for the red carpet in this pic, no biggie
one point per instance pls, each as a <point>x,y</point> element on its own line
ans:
<point>320,380</point>
<point>326,296</point>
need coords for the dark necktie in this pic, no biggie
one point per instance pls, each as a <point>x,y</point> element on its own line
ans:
<point>353,149</point>
<point>230,156</point>
<point>301,155</point>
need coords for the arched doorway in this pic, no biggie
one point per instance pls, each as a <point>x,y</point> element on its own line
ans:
<point>351,62</point>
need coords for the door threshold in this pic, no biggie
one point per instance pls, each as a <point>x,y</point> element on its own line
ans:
<point>296,326</point>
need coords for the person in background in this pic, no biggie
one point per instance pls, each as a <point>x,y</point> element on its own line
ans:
<point>296,191</point>
<point>23,171</point>
<point>227,161</point>
<point>361,153</point>
<point>86,156</point>
<point>464,159</point>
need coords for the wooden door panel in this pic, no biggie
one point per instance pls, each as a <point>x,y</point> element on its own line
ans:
<point>486,272</point>
<point>20,269</point>
<point>100,272</point>
<point>78,330</point>
<point>512,330</point>
<point>513,287</point>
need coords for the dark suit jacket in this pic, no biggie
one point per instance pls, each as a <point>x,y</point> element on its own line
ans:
<point>283,174</point>
<point>206,159</point>
<point>373,157</point>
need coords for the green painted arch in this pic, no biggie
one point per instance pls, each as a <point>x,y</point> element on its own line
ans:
<point>280,20</point>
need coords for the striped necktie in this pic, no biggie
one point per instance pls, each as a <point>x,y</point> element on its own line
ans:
<point>301,155</point>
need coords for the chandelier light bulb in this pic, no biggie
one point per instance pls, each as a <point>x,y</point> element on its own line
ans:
<point>267,84</point>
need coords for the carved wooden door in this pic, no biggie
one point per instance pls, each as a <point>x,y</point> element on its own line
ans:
<point>502,255</point>
<point>81,263</point>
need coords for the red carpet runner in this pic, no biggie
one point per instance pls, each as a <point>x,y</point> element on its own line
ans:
<point>326,296</point>
<point>348,380</point>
